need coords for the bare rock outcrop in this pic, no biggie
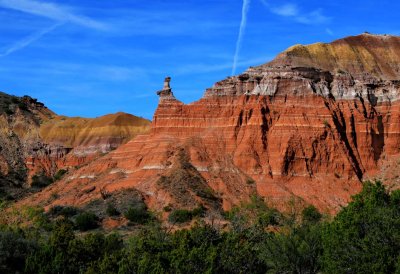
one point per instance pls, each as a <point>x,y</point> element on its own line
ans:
<point>36,141</point>
<point>311,124</point>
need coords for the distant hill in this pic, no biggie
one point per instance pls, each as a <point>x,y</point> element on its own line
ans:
<point>34,141</point>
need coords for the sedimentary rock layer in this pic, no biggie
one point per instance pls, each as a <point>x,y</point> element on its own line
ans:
<point>311,125</point>
<point>34,140</point>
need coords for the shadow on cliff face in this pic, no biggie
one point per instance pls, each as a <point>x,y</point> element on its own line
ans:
<point>378,139</point>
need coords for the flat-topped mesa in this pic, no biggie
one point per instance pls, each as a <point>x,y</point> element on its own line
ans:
<point>364,66</point>
<point>166,93</point>
<point>364,55</point>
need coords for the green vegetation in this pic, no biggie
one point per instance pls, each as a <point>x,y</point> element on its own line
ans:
<point>59,174</point>
<point>167,208</point>
<point>66,211</point>
<point>363,238</point>
<point>311,215</point>
<point>41,180</point>
<point>138,214</point>
<point>10,103</point>
<point>179,216</point>
<point>250,181</point>
<point>86,221</point>
<point>22,106</point>
<point>14,249</point>
<point>112,210</point>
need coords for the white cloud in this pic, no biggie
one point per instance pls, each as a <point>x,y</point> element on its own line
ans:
<point>286,10</point>
<point>329,31</point>
<point>292,11</point>
<point>51,11</point>
<point>314,17</point>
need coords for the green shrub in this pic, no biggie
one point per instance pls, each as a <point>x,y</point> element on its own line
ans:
<point>269,217</point>
<point>59,174</point>
<point>180,216</point>
<point>199,211</point>
<point>112,211</point>
<point>22,106</point>
<point>167,208</point>
<point>15,100</point>
<point>9,111</point>
<point>66,211</point>
<point>86,221</point>
<point>138,214</point>
<point>14,249</point>
<point>250,181</point>
<point>364,237</point>
<point>41,180</point>
<point>311,215</point>
<point>19,174</point>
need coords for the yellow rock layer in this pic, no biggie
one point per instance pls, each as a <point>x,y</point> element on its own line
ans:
<point>77,131</point>
<point>378,55</point>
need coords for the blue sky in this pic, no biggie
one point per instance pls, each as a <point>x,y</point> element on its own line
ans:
<point>89,58</point>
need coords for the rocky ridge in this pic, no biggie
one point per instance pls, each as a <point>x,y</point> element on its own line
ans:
<point>36,141</point>
<point>309,126</point>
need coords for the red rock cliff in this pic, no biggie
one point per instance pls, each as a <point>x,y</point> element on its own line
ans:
<point>311,124</point>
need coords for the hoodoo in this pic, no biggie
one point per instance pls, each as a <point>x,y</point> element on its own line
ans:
<point>310,125</point>
<point>166,92</point>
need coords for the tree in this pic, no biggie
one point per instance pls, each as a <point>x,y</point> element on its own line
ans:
<point>138,214</point>
<point>365,236</point>
<point>296,251</point>
<point>86,221</point>
<point>14,249</point>
<point>311,215</point>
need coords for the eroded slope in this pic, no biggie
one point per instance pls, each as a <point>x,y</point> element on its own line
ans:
<point>310,125</point>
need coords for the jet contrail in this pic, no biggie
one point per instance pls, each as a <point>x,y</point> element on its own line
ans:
<point>245,9</point>
<point>29,40</point>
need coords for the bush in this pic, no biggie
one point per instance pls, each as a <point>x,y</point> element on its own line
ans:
<point>112,211</point>
<point>19,174</point>
<point>311,215</point>
<point>365,236</point>
<point>15,100</point>
<point>13,251</point>
<point>41,180</point>
<point>22,106</point>
<point>9,111</point>
<point>86,221</point>
<point>199,211</point>
<point>167,208</point>
<point>269,217</point>
<point>326,123</point>
<point>250,181</point>
<point>138,214</point>
<point>59,174</point>
<point>66,211</point>
<point>180,216</point>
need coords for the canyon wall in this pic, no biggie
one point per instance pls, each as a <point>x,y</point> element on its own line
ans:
<point>308,126</point>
